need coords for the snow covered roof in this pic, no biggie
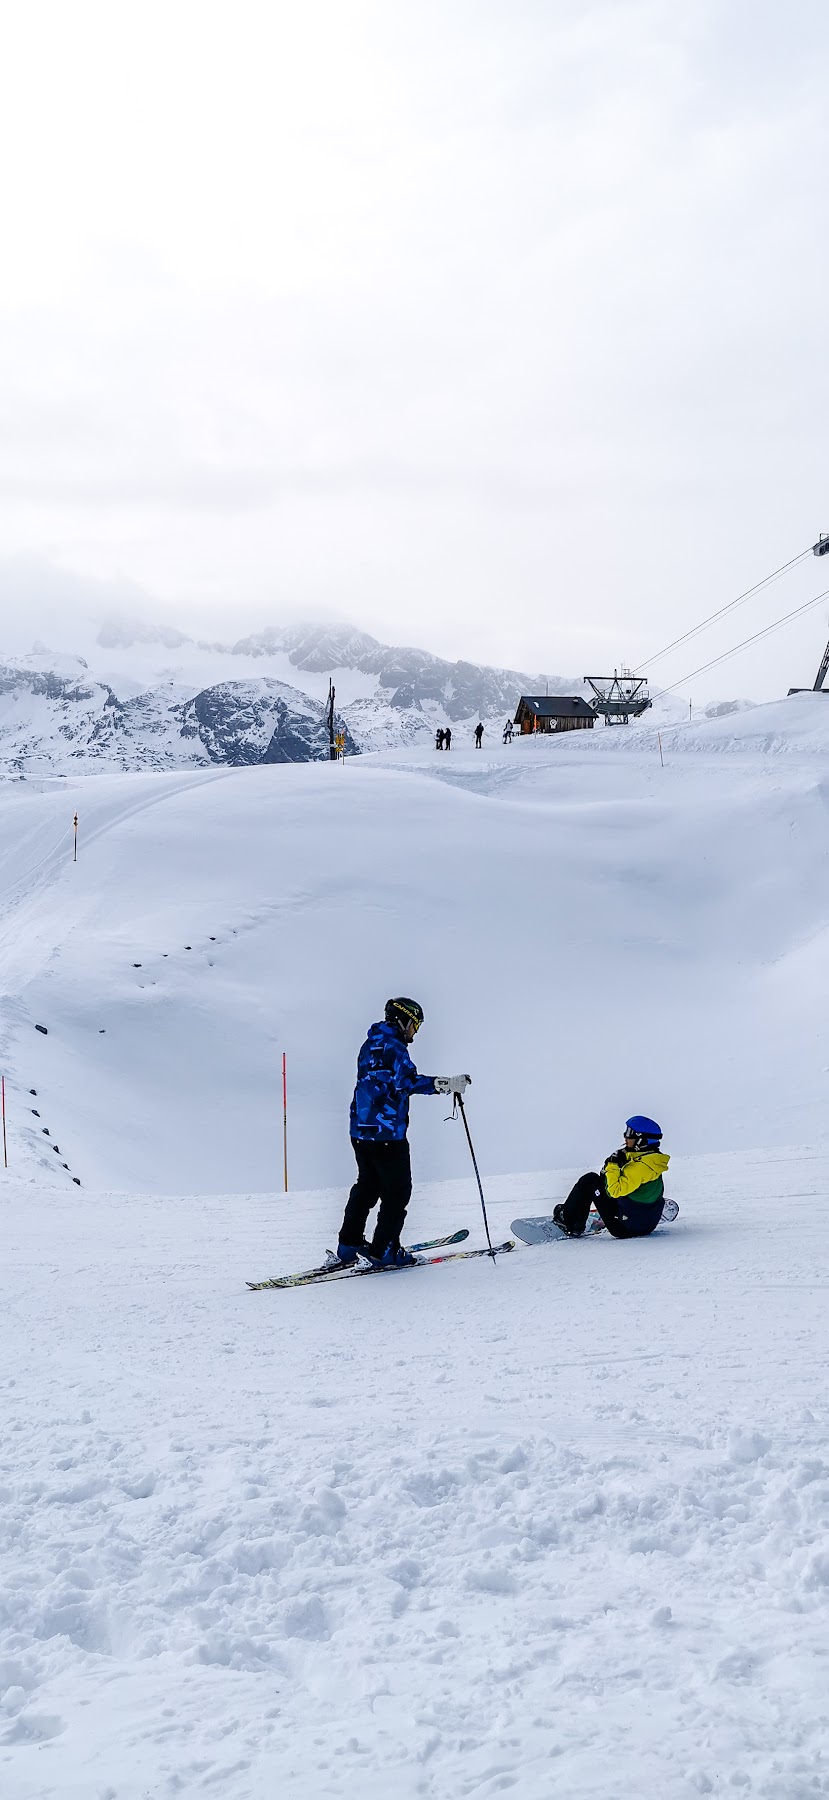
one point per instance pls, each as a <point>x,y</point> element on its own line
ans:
<point>555,706</point>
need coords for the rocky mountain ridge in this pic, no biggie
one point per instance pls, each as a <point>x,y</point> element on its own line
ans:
<point>56,722</point>
<point>408,678</point>
<point>139,698</point>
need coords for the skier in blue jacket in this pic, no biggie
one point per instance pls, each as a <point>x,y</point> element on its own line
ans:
<point>386,1076</point>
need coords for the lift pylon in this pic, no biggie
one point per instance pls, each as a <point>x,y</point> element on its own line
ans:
<point>821,548</point>
<point>619,696</point>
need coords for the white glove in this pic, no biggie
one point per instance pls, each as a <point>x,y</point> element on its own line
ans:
<point>452,1084</point>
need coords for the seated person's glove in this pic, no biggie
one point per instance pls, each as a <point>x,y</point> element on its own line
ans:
<point>452,1084</point>
<point>619,1157</point>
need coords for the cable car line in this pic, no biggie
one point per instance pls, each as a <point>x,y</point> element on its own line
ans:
<point>722,610</point>
<point>764,632</point>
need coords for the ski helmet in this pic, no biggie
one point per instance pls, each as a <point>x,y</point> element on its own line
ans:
<point>404,1012</point>
<point>646,1131</point>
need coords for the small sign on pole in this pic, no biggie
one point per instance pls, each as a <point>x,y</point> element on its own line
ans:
<point>75,828</point>
<point>285,1119</point>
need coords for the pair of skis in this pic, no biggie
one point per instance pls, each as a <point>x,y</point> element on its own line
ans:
<point>337,1271</point>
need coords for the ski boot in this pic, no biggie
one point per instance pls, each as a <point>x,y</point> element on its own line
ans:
<point>349,1253</point>
<point>393,1257</point>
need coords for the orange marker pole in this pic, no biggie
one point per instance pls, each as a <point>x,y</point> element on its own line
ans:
<point>75,825</point>
<point>285,1119</point>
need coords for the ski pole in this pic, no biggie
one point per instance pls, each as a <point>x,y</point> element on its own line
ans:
<point>459,1099</point>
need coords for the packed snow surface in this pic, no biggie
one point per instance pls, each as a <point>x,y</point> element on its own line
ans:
<point>557,1526</point>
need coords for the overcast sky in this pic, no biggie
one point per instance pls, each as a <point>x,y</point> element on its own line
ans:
<point>494,325</point>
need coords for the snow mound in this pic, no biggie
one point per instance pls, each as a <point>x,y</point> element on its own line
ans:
<point>798,726</point>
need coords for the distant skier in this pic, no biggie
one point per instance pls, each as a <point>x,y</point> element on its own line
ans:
<point>439,735</point>
<point>386,1076</point>
<point>479,732</point>
<point>508,732</point>
<point>447,738</point>
<point>628,1194</point>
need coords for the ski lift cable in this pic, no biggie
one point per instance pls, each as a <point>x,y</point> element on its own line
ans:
<point>722,610</point>
<point>755,636</point>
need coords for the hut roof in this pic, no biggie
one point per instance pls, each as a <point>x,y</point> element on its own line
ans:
<point>555,706</point>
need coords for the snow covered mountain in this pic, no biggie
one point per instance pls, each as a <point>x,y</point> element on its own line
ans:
<point>145,697</point>
<point>60,720</point>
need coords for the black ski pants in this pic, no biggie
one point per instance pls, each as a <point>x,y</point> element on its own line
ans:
<point>624,1218</point>
<point>384,1173</point>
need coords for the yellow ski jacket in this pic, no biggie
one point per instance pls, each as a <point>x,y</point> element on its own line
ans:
<point>638,1178</point>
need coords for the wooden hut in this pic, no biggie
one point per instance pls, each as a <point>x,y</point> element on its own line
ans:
<point>554,712</point>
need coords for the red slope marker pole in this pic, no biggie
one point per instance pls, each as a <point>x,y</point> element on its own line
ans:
<point>285,1119</point>
<point>75,825</point>
<point>3,1102</point>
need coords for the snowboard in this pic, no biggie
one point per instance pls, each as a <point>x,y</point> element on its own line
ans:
<point>545,1231</point>
<point>351,1271</point>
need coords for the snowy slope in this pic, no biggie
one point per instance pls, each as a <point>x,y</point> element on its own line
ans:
<point>557,1527</point>
<point>577,919</point>
<point>553,1528</point>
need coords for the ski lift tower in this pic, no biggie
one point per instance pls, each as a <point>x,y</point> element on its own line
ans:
<point>821,548</point>
<point>619,697</point>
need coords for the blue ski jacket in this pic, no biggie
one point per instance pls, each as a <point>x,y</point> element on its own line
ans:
<point>386,1076</point>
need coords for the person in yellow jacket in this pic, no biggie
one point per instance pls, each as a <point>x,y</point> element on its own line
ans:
<point>628,1194</point>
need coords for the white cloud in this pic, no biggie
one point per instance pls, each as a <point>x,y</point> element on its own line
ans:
<point>496,326</point>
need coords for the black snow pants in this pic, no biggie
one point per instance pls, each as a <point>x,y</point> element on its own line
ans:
<point>625,1218</point>
<point>384,1173</point>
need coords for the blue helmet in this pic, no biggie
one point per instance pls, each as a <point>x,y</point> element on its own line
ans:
<point>648,1133</point>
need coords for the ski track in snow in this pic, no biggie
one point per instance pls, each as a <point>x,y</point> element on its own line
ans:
<point>557,1527</point>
